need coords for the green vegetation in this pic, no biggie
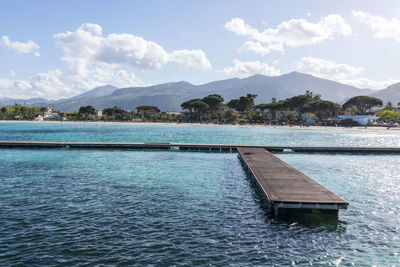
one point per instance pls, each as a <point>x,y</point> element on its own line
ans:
<point>293,109</point>
<point>19,112</point>
<point>147,112</point>
<point>361,105</point>
<point>116,114</point>
<point>203,109</point>
<point>389,116</point>
<point>212,109</point>
<point>86,112</point>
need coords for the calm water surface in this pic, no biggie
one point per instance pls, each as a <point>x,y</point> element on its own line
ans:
<point>75,132</point>
<point>77,207</point>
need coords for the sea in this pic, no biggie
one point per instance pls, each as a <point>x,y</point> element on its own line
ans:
<point>71,207</point>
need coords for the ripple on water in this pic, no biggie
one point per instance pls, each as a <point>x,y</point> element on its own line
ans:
<point>169,208</point>
<point>81,132</point>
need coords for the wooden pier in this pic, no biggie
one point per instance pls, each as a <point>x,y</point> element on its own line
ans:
<point>284,187</point>
<point>200,147</point>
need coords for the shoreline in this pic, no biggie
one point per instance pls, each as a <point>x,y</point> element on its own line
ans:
<point>296,127</point>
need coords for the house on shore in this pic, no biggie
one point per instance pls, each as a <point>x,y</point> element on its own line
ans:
<point>360,119</point>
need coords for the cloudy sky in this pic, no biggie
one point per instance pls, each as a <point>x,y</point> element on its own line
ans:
<point>56,49</point>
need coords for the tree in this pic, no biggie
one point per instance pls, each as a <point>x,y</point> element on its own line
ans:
<point>214,101</point>
<point>362,103</point>
<point>146,110</point>
<point>389,106</point>
<point>3,112</point>
<point>389,115</point>
<point>86,111</point>
<point>115,113</point>
<point>189,104</point>
<point>297,102</point>
<point>233,103</point>
<point>246,103</point>
<point>321,108</point>
<point>262,108</point>
<point>229,115</point>
<point>199,107</point>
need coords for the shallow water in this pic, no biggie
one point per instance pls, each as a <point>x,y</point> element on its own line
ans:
<point>76,207</point>
<point>75,132</point>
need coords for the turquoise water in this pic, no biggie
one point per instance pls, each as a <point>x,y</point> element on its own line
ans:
<point>195,134</point>
<point>77,207</point>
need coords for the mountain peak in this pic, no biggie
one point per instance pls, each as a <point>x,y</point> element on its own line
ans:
<point>298,74</point>
<point>394,86</point>
<point>97,92</point>
<point>183,83</point>
<point>256,76</point>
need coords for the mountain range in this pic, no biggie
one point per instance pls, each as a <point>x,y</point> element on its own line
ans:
<point>169,96</point>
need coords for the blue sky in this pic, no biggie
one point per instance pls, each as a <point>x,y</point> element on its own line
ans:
<point>57,49</point>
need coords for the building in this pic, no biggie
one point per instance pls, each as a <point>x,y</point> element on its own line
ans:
<point>173,113</point>
<point>51,116</point>
<point>360,119</point>
<point>48,111</point>
<point>39,118</point>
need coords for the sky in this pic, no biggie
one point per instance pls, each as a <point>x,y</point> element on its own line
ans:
<point>59,49</point>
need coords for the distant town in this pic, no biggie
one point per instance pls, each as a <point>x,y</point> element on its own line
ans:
<point>306,109</point>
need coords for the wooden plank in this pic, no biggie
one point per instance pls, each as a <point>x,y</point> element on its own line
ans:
<point>281,183</point>
<point>199,147</point>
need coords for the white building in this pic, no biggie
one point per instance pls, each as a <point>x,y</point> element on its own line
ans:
<point>360,119</point>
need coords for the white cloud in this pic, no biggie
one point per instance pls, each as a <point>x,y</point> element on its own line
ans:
<point>262,49</point>
<point>123,78</point>
<point>382,27</point>
<point>131,50</point>
<point>327,69</point>
<point>185,59</point>
<point>47,85</point>
<point>244,69</point>
<point>371,84</point>
<point>13,73</point>
<point>95,59</point>
<point>22,85</point>
<point>20,47</point>
<point>5,83</point>
<point>99,75</point>
<point>292,33</point>
<point>88,46</point>
<point>342,73</point>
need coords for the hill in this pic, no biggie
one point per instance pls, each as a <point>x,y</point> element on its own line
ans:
<point>30,101</point>
<point>96,92</point>
<point>391,93</point>
<point>284,86</point>
<point>169,96</point>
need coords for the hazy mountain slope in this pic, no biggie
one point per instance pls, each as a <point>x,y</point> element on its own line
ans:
<point>166,96</point>
<point>169,96</point>
<point>11,101</point>
<point>285,86</point>
<point>391,93</point>
<point>96,92</point>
